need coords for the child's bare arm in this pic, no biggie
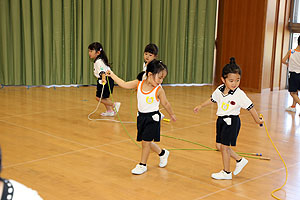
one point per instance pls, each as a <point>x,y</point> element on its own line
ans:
<point>255,116</point>
<point>205,103</point>
<point>285,58</point>
<point>122,83</point>
<point>165,103</point>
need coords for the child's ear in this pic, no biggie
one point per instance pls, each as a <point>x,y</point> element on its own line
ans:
<point>223,80</point>
<point>149,74</point>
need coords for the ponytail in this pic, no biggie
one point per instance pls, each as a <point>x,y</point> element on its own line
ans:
<point>232,60</point>
<point>140,76</point>
<point>232,67</point>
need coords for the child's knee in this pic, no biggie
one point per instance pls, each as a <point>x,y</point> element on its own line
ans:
<point>224,147</point>
<point>294,93</point>
<point>218,146</point>
<point>146,143</point>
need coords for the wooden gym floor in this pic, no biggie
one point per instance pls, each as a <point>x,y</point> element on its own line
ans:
<point>49,144</point>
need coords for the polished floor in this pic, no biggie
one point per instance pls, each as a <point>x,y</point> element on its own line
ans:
<point>49,144</point>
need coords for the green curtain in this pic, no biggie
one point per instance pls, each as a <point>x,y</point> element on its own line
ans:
<point>45,42</point>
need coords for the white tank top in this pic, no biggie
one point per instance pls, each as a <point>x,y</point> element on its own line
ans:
<point>147,101</point>
<point>294,61</point>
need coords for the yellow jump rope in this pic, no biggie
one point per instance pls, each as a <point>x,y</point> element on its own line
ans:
<point>286,171</point>
<point>206,148</point>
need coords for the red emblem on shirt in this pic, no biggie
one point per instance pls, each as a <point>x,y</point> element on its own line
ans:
<point>232,103</point>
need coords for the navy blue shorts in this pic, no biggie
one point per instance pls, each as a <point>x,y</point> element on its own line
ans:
<point>148,126</point>
<point>294,82</point>
<point>227,134</point>
<point>106,92</point>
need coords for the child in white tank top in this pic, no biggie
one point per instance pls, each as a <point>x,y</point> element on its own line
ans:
<point>149,95</point>
<point>292,60</point>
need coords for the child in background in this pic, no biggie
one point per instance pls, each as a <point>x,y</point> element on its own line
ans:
<point>293,55</point>
<point>230,99</point>
<point>150,53</point>
<point>149,95</point>
<point>101,65</point>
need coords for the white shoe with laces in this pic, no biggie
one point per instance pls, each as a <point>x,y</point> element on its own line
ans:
<point>239,166</point>
<point>139,169</point>
<point>291,109</point>
<point>163,160</point>
<point>108,114</point>
<point>222,175</point>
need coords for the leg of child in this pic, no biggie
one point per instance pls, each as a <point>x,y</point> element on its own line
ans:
<point>295,97</point>
<point>163,154</point>
<point>225,150</point>
<point>142,167</point>
<point>294,103</point>
<point>154,147</point>
<point>145,151</point>
<point>232,153</point>
<point>108,104</point>
<point>240,161</point>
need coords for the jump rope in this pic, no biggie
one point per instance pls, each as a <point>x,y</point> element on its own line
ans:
<point>205,148</point>
<point>112,120</point>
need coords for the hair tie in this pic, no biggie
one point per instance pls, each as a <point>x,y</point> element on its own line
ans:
<point>100,49</point>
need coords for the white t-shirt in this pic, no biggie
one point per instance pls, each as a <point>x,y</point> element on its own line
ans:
<point>100,66</point>
<point>231,103</point>
<point>144,67</point>
<point>147,101</point>
<point>18,191</point>
<point>294,61</point>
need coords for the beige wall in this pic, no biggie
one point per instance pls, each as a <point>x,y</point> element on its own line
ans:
<point>252,31</point>
<point>285,45</point>
<point>268,47</point>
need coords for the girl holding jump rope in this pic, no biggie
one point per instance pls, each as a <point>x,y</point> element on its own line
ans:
<point>149,95</point>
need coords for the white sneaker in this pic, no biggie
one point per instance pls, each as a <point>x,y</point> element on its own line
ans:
<point>117,107</point>
<point>222,175</point>
<point>162,116</point>
<point>108,114</point>
<point>139,169</point>
<point>239,166</point>
<point>164,159</point>
<point>291,109</point>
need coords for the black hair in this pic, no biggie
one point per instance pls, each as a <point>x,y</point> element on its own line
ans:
<point>299,40</point>
<point>151,48</point>
<point>231,67</point>
<point>155,67</point>
<point>0,160</point>
<point>98,47</point>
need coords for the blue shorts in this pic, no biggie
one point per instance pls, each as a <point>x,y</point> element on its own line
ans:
<point>227,133</point>
<point>148,126</point>
<point>294,82</point>
<point>106,90</point>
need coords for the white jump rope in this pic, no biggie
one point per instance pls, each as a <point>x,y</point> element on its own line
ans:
<point>112,120</point>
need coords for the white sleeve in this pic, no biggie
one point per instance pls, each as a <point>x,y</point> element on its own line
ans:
<point>96,70</point>
<point>21,192</point>
<point>245,102</point>
<point>99,66</point>
<point>215,96</point>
